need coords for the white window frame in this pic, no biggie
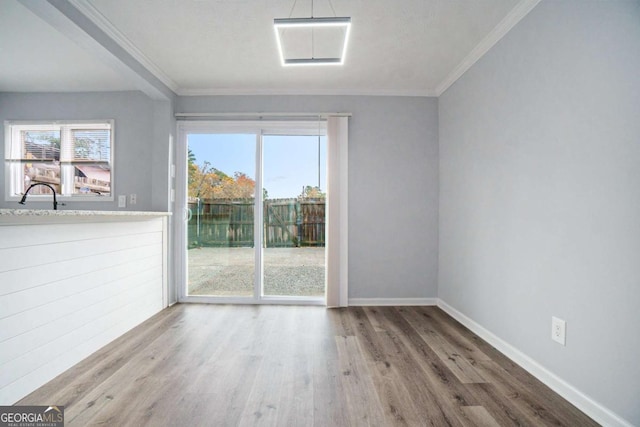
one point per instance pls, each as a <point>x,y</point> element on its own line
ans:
<point>13,148</point>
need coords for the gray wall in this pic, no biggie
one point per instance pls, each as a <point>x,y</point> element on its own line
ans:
<point>539,194</point>
<point>393,170</point>
<point>137,158</point>
<point>393,185</point>
<point>162,155</point>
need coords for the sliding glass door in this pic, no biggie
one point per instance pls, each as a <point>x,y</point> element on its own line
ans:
<point>255,214</point>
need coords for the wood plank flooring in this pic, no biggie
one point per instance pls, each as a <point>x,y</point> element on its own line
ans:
<point>224,365</point>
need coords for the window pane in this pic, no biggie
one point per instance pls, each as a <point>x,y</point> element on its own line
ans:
<point>47,173</point>
<point>91,145</point>
<point>92,178</point>
<point>294,215</point>
<point>90,152</point>
<point>40,145</point>
<point>221,191</point>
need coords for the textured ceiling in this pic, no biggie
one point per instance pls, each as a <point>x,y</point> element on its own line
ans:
<point>404,47</point>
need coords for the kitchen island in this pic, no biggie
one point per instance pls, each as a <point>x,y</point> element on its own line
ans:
<point>71,282</point>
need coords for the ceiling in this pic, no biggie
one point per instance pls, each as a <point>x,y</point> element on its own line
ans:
<point>35,57</point>
<point>407,47</point>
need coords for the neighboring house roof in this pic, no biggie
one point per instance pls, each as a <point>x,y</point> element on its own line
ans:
<point>95,172</point>
<point>36,150</point>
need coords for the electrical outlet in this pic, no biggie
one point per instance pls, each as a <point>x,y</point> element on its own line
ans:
<point>122,201</point>
<point>133,199</point>
<point>558,330</point>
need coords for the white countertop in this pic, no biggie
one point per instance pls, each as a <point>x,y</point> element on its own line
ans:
<point>40,216</point>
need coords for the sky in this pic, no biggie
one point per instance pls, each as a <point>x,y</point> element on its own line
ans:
<point>290,162</point>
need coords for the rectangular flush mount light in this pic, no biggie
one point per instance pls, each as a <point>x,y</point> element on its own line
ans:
<point>284,23</point>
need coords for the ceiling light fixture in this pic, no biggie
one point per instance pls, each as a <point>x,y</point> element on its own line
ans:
<point>280,25</point>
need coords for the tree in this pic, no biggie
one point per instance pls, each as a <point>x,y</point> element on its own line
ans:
<point>197,179</point>
<point>192,170</point>
<point>207,182</point>
<point>310,192</point>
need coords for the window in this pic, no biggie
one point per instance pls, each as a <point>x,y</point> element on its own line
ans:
<point>75,158</point>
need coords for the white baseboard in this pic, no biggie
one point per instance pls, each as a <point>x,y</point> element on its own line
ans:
<point>393,301</point>
<point>586,404</point>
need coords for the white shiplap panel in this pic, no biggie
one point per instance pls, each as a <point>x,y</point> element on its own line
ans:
<point>59,291</point>
<point>95,321</point>
<point>18,280</point>
<point>71,312</point>
<point>30,256</point>
<point>68,289</point>
<point>26,320</point>
<point>133,316</point>
<point>42,234</point>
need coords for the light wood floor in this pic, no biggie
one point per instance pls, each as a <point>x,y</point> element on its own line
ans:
<point>216,365</point>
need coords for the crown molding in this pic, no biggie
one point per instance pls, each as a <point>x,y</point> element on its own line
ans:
<point>283,91</point>
<point>499,31</point>
<point>94,15</point>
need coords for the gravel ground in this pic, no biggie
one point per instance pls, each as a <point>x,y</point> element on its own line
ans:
<point>229,271</point>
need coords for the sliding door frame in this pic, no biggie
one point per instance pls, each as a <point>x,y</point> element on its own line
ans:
<point>260,129</point>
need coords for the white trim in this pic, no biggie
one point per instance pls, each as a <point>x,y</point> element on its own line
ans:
<point>180,209</point>
<point>310,91</point>
<point>258,116</point>
<point>258,220</point>
<point>392,301</point>
<point>101,21</point>
<point>165,261</point>
<point>513,17</point>
<point>284,127</point>
<point>583,402</point>
<point>265,300</point>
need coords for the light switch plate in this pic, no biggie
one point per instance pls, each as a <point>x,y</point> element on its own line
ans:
<point>122,201</point>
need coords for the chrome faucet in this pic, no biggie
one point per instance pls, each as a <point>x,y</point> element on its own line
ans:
<point>55,201</point>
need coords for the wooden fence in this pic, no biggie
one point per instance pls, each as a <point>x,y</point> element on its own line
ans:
<point>287,222</point>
